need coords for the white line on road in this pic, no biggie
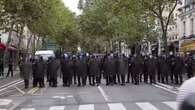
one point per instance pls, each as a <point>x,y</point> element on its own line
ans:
<point>146,106</point>
<point>11,86</point>
<point>28,109</point>
<point>103,93</point>
<point>4,102</point>
<point>86,107</point>
<point>117,106</point>
<point>10,83</point>
<point>57,108</point>
<point>173,104</point>
<point>18,89</point>
<point>171,91</point>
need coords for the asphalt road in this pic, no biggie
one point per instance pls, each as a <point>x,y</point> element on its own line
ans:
<point>129,97</point>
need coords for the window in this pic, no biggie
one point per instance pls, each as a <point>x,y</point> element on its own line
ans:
<point>192,26</point>
<point>188,2</point>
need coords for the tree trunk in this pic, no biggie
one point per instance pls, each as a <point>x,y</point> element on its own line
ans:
<point>164,36</point>
<point>19,43</point>
<point>29,42</point>
<point>37,44</point>
<point>120,48</point>
<point>34,47</point>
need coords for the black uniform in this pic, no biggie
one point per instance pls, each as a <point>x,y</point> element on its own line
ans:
<point>66,72</point>
<point>38,73</point>
<point>10,68</point>
<point>116,74</point>
<point>94,70</point>
<point>152,69</point>
<point>54,72</point>
<point>188,66</point>
<point>26,71</point>
<point>108,70</point>
<point>136,68</point>
<point>145,68</point>
<point>129,70</point>
<point>164,69</point>
<point>171,67</point>
<point>1,68</point>
<point>123,68</point>
<point>74,69</point>
<point>82,71</point>
<point>178,70</point>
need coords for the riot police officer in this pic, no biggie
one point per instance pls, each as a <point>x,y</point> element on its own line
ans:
<point>65,69</point>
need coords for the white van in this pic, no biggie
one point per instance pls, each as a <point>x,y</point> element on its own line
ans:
<point>45,54</point>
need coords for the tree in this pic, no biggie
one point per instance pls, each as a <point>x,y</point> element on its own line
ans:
<point>44,18</point>
<point>162,10</point>
<point>121,20</point>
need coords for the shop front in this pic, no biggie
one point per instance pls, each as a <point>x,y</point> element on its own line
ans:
<point>187,46</point>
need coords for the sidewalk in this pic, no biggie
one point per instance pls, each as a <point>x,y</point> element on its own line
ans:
<point>4,80</point>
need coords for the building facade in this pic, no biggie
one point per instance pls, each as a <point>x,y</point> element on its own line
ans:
<point>186,25</point>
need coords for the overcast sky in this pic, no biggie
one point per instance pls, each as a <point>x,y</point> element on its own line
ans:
<point>72,5</point>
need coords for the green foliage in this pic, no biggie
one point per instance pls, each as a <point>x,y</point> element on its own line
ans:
<point>44,18</point>
<point>115,20</point>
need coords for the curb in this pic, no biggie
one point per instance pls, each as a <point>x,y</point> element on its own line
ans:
<point>5,103</point>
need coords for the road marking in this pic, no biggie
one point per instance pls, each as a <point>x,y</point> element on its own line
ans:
<point>117,106</point>
<point>6,92</point>
<point>86,107</point>
<point>146,106</point>
<point>103,93</point>
<point>33,90</point>
<point>18,89</point>
<point>30,90</point>
<point>57,108</point>
<point>173,104</point>
<point>171,91</point>
<point>13,82</point>
<point>11,86</point>
<point>59,97</point>
<point>28,109</point>
<point>5,102</point>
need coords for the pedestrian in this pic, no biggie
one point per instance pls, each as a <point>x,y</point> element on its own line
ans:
<point>26,71</point>
<point>189,66</point>
<point>171,65</point>
<point>129,69</point>
<point>106,67</point>
<point>123,68</point>
<point>164,69</point>
<point>74,68</point>
<point>145,68</point>
<point>82,70</point>
<point>136,64</point>
<point>152,69</point>
<point>48,68</point>
<point>116,74</point>
<point>10,68</point>
<point>54,72</point>
<point>178,70</point>
<point>66,72</point>
<point>38,72</point>
<point>1,68</point>
<point>111,69</point>
<point>94,70</point>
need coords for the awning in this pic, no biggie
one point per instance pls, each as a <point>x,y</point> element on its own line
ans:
<point>2,46</point>
<point>188,46</point>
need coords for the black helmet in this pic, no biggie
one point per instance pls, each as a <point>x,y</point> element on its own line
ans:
<point>188,103</point>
